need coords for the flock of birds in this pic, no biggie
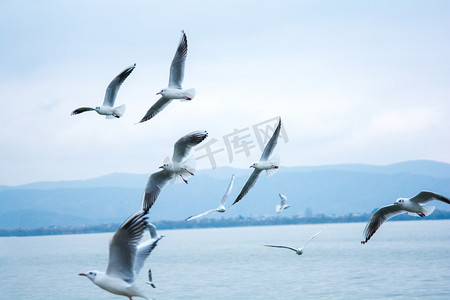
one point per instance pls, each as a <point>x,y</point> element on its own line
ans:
<point>173,91</point>
<point>127,253</point>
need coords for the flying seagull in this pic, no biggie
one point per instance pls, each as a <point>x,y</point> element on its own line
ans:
<point>264,163</point>
<point>150,281</point>
<point>221,207</point>
<point>179,167</point>
<point>108,109</point>
<point>298,251</point>
<point>283,204</point>
<point>413,206</point>
<point>126,258</point>
<point>174,90</point>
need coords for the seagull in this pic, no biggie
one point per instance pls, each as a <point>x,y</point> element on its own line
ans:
<point>298,251</point>
<point>412,205</point>
<point>283,204</point>
<point>264,163</point>
<point>177,168</point>
<point>150,281</point>
<point>108,109</point>
<point>126,258</point>
<point>174,90</point>
<point>221,207</point>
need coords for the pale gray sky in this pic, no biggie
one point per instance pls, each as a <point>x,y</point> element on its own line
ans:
<point>354,82</point>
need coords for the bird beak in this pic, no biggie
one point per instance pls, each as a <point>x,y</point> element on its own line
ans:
<point>251,167</point>
<point>82,274</point>
<point>161,167</point>
<point>158,93</point>
<point>395,203</point>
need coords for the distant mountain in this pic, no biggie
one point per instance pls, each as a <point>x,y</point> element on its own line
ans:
<point>121,180</point>
<point>333,189</point>
<point>416,167</point>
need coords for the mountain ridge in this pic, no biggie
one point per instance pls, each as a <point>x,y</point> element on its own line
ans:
<point>417,167</point>
<point>333,189</point>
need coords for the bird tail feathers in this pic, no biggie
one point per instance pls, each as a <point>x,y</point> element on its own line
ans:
<point>190,164</point>
<point>120,110</point>
<point>270,172</point>
<point>275,160</point>
<point>426,210</point>
<point>190,93</point>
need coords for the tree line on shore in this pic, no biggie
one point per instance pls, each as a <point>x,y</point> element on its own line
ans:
<point>217,223</point>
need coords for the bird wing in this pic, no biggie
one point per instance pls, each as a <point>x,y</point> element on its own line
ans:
<point>184,145</point>
<point>144,249</point>
<point>425,197</point>
<point>156,108</point>
<point>155,183</point>
<point>123,247</point>
<point>280,246</point>
<point>152,229</point>
<point>113,87</point>
<point>177,66</point>
<point>283,200</point>
<point>271,143</point>
<point>227,193</point>
<point>310,239</point>
<point>150,281</point>
<point>248,185</point>
<point>81,110</point>
<point>200,215</point>
<point>150,275</point>
<point>378,219</point>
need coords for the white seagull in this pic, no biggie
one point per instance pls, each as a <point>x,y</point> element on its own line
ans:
<point>264,163</point>
<point>412,205</point>
<point>177,168</point>
<point>282,205</point>
<point>298,251</point>
<point>126,258</point>
<point>108,109</point>
<point>174,90</point>
<point>221,207</point>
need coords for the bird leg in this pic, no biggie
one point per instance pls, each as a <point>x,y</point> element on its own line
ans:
<point>421,214</point>
<point>189,172</point>
<point>185,181</point>
<point>187,98</point>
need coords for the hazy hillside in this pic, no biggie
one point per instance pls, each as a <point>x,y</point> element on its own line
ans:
<point>324,189</point>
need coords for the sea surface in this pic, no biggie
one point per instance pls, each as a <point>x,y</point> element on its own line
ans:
<point>403,260</point>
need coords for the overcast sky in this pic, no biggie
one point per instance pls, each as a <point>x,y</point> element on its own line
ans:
<point>353,81</point>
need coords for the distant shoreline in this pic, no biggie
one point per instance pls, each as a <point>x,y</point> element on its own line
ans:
<point>216,223</point>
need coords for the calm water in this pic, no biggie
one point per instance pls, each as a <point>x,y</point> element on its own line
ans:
<point>404,260</point>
